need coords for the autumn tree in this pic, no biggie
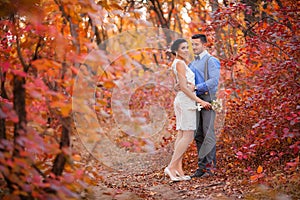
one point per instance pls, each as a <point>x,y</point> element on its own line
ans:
<point>47,45</point>
<point>263,68</point>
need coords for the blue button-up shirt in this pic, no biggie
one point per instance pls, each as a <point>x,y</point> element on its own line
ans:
<point>197,66</point>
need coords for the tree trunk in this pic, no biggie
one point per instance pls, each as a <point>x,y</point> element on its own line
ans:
<point>4,96</point>
<point>19,93</point>
<point>253,16</point>
<point>165,23</point>
<point>19,107</point>
<point>60,160</point>
<point>218,39</point>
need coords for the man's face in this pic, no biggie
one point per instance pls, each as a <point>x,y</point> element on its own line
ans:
<point>197,45</point>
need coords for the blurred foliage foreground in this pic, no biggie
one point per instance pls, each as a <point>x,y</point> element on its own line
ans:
<point>73,71</point>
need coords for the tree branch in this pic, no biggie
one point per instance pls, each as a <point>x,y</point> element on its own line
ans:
<point>38,45</point>
<point>171,11</point>
<point>158,11</point>
<point>96,31</point>
<point>72,26</point>
<point>244,30</point>
<point>21,58</point>
<point>289,25</point>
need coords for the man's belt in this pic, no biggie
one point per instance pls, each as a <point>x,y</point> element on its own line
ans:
<point>207,94</point>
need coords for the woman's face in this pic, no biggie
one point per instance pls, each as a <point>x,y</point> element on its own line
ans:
<point>183,50</point>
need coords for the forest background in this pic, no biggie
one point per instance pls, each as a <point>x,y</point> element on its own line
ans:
<point>86,98</point>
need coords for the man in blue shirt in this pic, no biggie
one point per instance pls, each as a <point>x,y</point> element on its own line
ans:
<point>205,89</point>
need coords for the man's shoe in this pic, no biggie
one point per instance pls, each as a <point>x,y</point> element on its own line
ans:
<point>198,173</point>
<point>202,173</point>
<point>209,173</point>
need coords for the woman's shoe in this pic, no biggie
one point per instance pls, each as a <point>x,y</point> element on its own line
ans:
<point>173,178</point>
<point>184,178</point>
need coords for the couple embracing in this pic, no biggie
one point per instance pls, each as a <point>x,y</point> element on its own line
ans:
<point>197,83</point>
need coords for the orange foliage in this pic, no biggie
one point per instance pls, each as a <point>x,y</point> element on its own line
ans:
<point>49,43</point>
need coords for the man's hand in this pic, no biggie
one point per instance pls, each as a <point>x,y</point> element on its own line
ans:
<point>205,105</point>
<point>176,87</point>
<point>191,86</point>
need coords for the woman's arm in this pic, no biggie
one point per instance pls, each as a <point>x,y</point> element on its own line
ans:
<point>181,71</point>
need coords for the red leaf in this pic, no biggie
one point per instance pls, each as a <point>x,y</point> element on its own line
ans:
<point>74,70</point>
<point>13,116</point>
<point>19,73</point>
<point>259,169</point>
<point>285,130</point>
<point>5,66</point>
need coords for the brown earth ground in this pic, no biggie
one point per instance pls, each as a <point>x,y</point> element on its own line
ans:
<point>118,185</point>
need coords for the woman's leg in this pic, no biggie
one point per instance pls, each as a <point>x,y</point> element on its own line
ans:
<point>178,138</point>
<point>180,148</point>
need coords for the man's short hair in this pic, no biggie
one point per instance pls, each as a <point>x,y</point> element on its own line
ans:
<point>202,37</point>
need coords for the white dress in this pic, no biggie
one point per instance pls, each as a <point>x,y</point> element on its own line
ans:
<point>184,106</point>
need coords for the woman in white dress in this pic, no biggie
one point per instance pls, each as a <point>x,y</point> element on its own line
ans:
<point>185,111</point>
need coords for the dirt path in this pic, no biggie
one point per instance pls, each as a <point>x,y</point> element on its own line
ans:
<point>153,185</point>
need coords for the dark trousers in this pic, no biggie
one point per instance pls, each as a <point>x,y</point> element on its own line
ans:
<point>205,137</point>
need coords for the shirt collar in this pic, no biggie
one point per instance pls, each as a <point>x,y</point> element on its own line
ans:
<point>203,54</point>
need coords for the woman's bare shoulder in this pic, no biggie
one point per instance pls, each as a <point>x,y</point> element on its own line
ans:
<point>180,66</point>
<point>180,63</point>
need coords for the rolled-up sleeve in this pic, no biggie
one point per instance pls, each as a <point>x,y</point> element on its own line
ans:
<point>211,84</point>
